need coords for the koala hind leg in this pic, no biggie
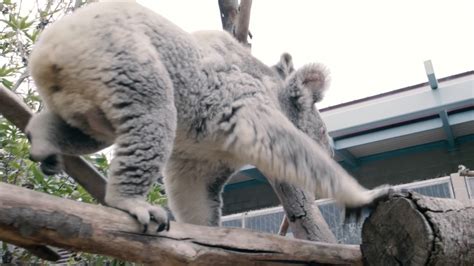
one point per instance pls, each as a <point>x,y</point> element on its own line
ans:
<point>141,108</point>
<point>194,189</point>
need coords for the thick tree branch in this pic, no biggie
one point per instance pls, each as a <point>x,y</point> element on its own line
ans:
<point>229,10</point>
<point>235,19</point>
<point>18,113</point>
<point>242,27</point>
<point>33,218</point>
<point>305,219</point>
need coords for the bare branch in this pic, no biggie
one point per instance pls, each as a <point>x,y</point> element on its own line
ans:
<point>242,28</point>
<point>24,75</point>
<point>36,218</point>
<point>229,10</point>
<point>305,219</point>
<point>235,19</point>
<point>283,230</point>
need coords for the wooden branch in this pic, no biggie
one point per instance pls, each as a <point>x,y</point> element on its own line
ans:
<point>33,218</point>
<point>242,27</point>
<point>13,108</point>
<point>229,10</point>
<point>411,229</point>
<point>285,224</point>
<point>18,113</point>
<point>305,219</point>
<point>235,19</point>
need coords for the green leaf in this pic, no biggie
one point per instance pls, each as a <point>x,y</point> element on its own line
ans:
<point>10,23</point>
<point>7,83</point>
<point>6,71</point>
<point>23,23</point>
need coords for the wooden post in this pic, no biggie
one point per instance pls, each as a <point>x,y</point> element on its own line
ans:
<point>411,229</point>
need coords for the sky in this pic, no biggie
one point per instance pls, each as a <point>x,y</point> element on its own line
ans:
<point>369,46</point>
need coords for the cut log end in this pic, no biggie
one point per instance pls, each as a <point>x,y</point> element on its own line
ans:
<point>397,233</point>
<point>414,230</point>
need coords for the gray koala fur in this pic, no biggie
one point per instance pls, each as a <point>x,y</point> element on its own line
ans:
<point>195,107</point>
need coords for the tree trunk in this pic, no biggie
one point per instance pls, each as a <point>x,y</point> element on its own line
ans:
<point>411,229</point>
<point>32,218</point>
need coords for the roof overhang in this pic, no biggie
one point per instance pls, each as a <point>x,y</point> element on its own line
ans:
<point>417,116</point>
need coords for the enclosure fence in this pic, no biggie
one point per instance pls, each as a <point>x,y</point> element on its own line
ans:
<point>269,220</point>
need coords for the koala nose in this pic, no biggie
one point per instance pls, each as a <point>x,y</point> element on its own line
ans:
<point>51,160</point>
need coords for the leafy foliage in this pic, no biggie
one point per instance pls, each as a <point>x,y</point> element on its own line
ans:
<point>21,22</point>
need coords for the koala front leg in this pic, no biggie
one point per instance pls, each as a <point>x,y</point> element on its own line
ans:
<point>143,145</point>
<point>144,117</point>
<point>194,189</point>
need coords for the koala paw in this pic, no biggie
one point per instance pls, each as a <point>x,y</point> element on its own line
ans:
<point>143,211</point>
<point>378,195</point>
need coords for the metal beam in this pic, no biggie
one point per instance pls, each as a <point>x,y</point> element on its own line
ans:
<point>413,149</point>
<point>431,75</point>
<point>404,130</point>
<point>447,129</point>
<point>347,157</point>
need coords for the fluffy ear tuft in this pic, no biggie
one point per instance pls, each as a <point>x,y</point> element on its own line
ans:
<point>285,66</point>
<point>315,78</point>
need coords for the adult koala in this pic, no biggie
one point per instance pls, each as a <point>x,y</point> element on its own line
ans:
<point>197,105</point>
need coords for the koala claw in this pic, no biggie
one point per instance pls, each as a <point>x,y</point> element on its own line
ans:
<point>162,227</point>
<point>143,211</point>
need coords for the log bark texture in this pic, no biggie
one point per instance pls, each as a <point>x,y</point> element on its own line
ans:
<point>411,229</point>
<point>33,218</point>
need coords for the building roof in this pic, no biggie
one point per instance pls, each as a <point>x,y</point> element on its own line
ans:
<point>403,118</point>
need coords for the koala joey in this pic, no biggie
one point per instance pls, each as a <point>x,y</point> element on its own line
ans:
<point>193,107</point>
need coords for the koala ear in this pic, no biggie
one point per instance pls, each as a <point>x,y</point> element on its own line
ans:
<point>311,77</point>
<point>285,66</point>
